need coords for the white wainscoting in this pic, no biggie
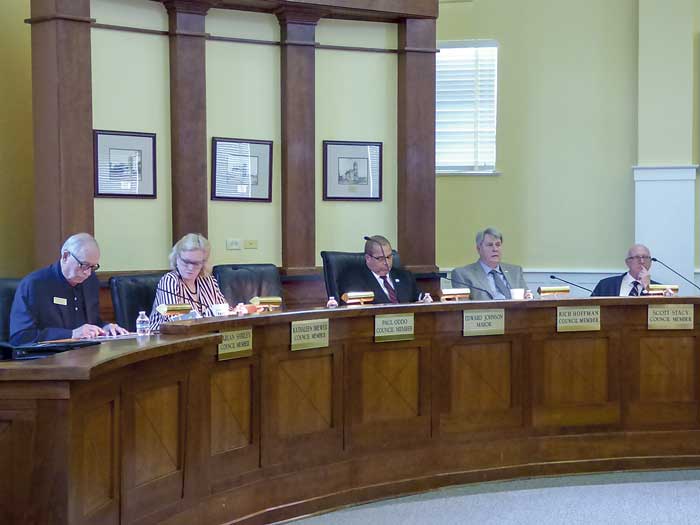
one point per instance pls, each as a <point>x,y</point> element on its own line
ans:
<point>586,278</point>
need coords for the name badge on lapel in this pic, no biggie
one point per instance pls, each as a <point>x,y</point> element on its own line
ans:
<point>60,300</point>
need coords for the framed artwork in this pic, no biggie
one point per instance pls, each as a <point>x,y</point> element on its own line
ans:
<point>352,170</point>
<point>241,169</point>
<point>125,164</point>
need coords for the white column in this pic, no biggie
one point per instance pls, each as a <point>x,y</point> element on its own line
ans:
<point>665,220</point>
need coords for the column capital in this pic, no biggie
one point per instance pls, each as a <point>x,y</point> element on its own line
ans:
<point>193,7</point>
<point>299,15</point>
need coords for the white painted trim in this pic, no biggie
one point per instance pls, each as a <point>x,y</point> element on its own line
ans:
<point>664,173</point>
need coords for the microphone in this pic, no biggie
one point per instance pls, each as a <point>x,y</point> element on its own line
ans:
<point>188,299</point>
<point>568,282</point>
<point>674,271</point>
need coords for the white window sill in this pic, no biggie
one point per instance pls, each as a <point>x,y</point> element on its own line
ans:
<point>468,173</point>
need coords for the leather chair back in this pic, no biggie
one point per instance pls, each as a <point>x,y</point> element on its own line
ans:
<point>335,263</point>
<point>7,295</point>
<point>241,282</point>
<point>131,294</point>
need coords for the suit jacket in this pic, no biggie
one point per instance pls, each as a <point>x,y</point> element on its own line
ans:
<point>46,307</point>
<point>472,276</point>
<point>362,280</point>
<point>610,286</point>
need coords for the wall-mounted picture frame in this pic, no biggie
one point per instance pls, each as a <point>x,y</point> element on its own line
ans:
<point>352,171</point>
<point>124,164</point>
<point>241,169</point>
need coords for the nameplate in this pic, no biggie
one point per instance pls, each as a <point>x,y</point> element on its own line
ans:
<point>235,344</point>
<point>484,322</point>
<point>393,327</point>
<point>309,334</point>
<point>578,318</point>
<point>670,317</point>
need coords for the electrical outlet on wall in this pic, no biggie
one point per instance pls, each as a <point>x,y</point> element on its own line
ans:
<point>233,244</point>
<point>251,244</point>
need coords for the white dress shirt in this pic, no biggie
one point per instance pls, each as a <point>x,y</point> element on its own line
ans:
<point>627,284</point>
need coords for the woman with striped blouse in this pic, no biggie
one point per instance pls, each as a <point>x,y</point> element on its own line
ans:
<point>190,281</point>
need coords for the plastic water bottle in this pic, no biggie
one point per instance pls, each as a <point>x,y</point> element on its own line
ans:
<point>143,324</point>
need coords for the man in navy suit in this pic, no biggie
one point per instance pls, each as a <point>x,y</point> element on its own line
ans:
<point>635,281</point>
<point>390,285</point>
<point>61,301</point>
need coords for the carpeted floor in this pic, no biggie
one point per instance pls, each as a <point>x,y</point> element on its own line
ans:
<point>666,497</point>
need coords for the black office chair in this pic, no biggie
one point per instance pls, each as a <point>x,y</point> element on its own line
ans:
<point>7,295</point>
<point>335,263</point>
<point>240,282</point>
<point>130,295</point>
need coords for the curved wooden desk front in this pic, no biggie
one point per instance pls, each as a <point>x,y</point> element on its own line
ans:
<point>166,433</point>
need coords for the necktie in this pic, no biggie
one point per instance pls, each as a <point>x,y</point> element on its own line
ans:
<point>634,291</point>
<point>389,289</point>
<point>500,285</point>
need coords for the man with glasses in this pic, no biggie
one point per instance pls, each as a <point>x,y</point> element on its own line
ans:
<point>634,282</point>
<point>61,301</point>
<point>389,284</point>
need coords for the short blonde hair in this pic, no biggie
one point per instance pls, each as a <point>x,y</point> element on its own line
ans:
<point>191,241</point>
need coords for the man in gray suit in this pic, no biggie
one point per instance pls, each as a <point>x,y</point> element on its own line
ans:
<point>489,278</point>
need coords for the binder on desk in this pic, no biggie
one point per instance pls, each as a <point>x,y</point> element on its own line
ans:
<point>39,350</point>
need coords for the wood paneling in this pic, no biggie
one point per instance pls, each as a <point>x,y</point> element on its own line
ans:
<point>62,112</point>
<point>159,431</point>
<point>231,409</point>
<point>305,395</point>
<point>188,117</point>
<point>573,375</point>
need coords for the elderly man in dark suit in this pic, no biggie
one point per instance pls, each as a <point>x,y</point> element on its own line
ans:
<point>389,284</point>
<point>635,281</point>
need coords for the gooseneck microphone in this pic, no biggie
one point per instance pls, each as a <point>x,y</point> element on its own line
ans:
<point>569,282</point>
<point>674,271</point>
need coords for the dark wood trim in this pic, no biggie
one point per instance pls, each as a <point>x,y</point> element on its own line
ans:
<point>298,164</point>
<point>188,118</point>
<point>431,50</point>
<point>235,40</point>
<point>359,49</point>
<point>416,144</point>
<point>62,113</point>
<point>41,19</point>
<point>127,29</point>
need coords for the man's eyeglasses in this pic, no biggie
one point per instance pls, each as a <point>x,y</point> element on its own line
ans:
<point>381,257</point>
<point>187,262</point>
<point>84,266</point>
<point>639,258</point>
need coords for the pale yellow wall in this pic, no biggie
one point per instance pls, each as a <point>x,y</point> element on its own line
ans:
<point>243,101</point>
<point>130,92</point>
<point>356,100</point>
<point>567,108</point>
<point>16,162</point>
<point>666,82</point>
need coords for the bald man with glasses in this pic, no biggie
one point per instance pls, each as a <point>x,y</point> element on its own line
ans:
<point>61,301</point>
<point>634,282</point>
<point>378,275</point>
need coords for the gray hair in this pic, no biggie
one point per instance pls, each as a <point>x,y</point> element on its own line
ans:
<point>191,241</point>
<point>76,243</point>
<point>374,240</point>
<point>488,231</point>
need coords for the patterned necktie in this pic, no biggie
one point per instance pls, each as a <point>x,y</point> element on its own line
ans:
<point>634,290</point>
<point>389,289</point>
<point>500,285</point>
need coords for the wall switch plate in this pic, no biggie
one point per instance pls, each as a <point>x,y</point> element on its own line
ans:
<point>233,244</point>
<point>250,244</point>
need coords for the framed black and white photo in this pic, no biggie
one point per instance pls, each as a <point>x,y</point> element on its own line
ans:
<point>352,170</point>
<point>125,164</point>
<point>241,169</point>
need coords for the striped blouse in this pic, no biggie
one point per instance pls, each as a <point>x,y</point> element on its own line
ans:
<point>172,290</point>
